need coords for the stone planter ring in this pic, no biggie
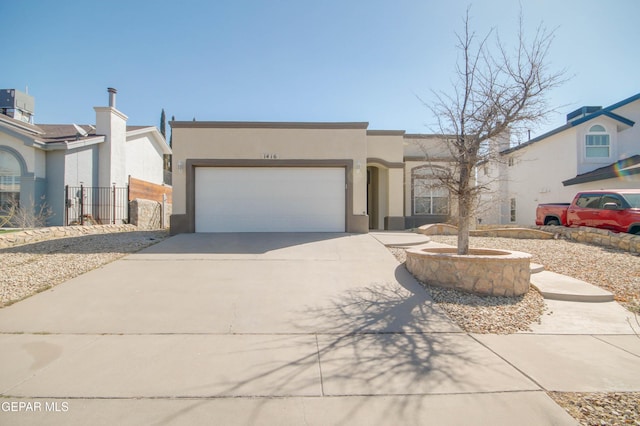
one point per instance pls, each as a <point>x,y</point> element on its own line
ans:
<point>483,271</point>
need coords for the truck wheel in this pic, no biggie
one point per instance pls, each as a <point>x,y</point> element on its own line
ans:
<point>553,222</point>
<point>635,230</point>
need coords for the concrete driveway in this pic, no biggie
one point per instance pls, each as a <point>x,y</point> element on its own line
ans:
<point>254,329</point>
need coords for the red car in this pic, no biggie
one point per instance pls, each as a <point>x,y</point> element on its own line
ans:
<point>616,210</point>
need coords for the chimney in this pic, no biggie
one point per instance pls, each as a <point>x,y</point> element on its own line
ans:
<point>112,96</point>
<point>112,124</point>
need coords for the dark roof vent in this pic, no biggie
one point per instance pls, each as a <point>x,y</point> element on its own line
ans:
<point>582,112</point>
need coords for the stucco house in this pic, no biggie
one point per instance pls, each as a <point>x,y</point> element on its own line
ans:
<point>300,176</point>
<point>37,161</point>
<point>597,148</point>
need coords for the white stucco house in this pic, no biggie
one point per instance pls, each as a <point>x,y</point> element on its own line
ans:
<point>37,161</point>
<point>300,176</point>
<point>597,148</point>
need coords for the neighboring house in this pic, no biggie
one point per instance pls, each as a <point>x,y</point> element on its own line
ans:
<point>598,148</point>
<point>37,161</point>
<point>283,176</point>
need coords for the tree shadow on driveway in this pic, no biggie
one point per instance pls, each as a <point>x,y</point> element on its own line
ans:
<point>384,340</point>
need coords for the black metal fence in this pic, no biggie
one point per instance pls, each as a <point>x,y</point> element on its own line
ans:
<point>85,205</point>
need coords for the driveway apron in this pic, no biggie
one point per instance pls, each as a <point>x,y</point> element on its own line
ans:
<point>254,329</point>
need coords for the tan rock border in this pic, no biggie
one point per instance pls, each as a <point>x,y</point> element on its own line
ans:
<point>509,232</point>
<point>484,271</point>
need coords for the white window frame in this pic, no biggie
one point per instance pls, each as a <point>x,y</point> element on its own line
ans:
<point>425,186</point>
<point>599,132</point>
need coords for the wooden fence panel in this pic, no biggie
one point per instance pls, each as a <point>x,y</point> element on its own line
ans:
<point>148,191</point>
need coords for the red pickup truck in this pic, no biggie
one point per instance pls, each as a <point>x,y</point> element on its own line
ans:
<point>616,210</point>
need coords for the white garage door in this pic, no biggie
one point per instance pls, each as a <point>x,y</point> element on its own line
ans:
<point>270,199</point>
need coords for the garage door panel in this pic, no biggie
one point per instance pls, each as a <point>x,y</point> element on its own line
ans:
<point>270,199</point>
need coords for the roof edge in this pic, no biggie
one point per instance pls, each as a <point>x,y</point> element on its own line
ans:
<point>608,112</point>
<point>386,132</point>
<point>156,136</point>
<point>607,172</point>
<point>427,136</point>
<point>537,139</point>
<point>623,102</point>
<point>266,125</point>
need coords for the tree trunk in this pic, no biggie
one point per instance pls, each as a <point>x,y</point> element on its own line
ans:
<point>465,207</point>
<point>464,223</point>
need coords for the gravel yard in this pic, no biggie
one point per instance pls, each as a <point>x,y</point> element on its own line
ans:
<point>596,409</point>
<point>616,271</point>
<point>35,267</point>
<point>613,270</point>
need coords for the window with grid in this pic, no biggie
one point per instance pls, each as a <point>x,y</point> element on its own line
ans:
<point>597,142</point>
<point>429,197</point>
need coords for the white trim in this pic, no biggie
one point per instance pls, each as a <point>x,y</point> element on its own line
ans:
<point>113,110</point>
<point>66,145</point>
<point>583,143</point>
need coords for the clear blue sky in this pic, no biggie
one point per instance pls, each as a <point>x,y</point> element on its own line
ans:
<point>294,60</point>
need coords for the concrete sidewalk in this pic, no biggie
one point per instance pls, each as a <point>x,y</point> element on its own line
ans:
<point>279,329</point>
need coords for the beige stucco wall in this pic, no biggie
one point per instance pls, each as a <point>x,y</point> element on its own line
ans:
<point>385,151</point>
<point>385,147</point>
<point>396,192</point>
<point>273,143</point>
<point>433,147</point>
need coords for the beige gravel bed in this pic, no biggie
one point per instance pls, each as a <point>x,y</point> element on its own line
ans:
<point>616,271</point>
<point>35,267</point>
<point>613,270</point>
<point>615,408</point>
<point>484,314</point>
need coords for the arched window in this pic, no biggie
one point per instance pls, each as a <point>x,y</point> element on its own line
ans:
<point>597,144</point>
<point>10,172</point>
<point>430,197</point>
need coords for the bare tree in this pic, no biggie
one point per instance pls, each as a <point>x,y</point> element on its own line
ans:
<point>495,92</point>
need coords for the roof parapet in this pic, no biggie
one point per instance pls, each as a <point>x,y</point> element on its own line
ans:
<point>582,112</point>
